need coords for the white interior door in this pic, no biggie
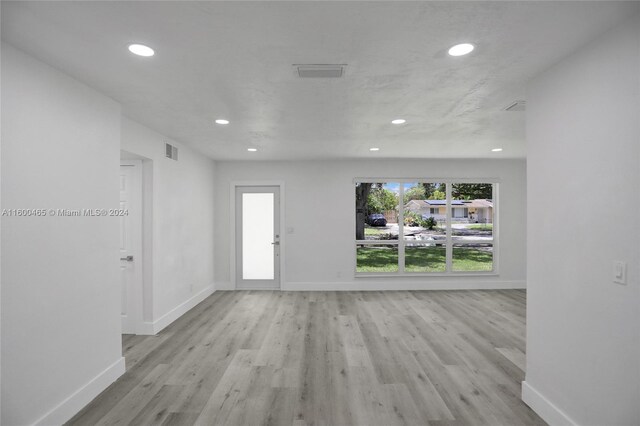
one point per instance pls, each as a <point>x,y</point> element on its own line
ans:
<point>257,237</point>
<point>130,244</point>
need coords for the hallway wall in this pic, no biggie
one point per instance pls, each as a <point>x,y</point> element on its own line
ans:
<point>182,224</point>
<point>60,281</point>
<point>583,330</point>
<point>61,288</point>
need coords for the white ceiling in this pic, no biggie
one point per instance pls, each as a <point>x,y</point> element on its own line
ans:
<point>233,60</point>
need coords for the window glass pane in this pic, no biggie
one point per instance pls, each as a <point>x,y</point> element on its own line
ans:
<point>472,211</point>
<point>377,258</point>
<point>424,211</point>
<point>377,211</point>
<point>425,258</point>
<point>472,257</point>
<point>425,215</point>
<point>257,236</point>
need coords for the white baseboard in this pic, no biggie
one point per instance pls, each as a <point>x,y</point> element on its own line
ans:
<point>545,408</point>
<point>145,329</point>
<point>77,400</point>
<point>225,285</point>
<point>391,284</point>
<point>158,325</point>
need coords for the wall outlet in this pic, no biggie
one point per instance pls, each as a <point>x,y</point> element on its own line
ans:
<point>619,272</point>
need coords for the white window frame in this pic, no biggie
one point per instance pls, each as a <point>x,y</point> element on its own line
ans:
<point>401,243</point>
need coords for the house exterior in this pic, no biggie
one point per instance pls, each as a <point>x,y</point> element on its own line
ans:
<point>472,211</point>
<point>480,210</point>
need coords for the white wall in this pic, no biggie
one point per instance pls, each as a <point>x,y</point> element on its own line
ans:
<point>583,331</point>
<point>183,202</point>
<point>60,281</point>
<point>320,206</point>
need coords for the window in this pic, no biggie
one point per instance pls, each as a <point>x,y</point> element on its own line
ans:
<point>459,212</point>
<point>409,227</point>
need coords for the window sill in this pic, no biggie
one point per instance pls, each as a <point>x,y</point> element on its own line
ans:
<point>425,274</point>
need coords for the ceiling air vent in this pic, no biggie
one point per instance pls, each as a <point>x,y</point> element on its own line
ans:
<point>320,70</point>
<point>517,106</point>
<point>171,151</point>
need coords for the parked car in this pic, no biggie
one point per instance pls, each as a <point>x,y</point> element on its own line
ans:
<point>376,219</point>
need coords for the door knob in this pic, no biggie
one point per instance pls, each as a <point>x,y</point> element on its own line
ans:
<point>128,258</point>
<point>276,243</point>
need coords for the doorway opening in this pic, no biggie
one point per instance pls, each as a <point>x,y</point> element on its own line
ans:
<point>258,238</point>
<point>131,244</point>
<point>135,253</point>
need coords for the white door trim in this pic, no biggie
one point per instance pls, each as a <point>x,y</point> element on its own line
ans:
<point>135,302</point>
<point>232,225</point>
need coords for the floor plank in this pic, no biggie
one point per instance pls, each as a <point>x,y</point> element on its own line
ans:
<point>327,358</point>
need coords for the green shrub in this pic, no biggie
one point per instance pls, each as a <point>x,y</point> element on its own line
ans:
<point>412,218</point>
<point>429,223</point>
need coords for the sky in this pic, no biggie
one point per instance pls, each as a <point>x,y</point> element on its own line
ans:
<point>395,187</point>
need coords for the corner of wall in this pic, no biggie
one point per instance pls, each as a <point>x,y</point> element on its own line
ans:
<point>544,408</point>
<point>165,320</point>
<point>75,402</point>
<point>224,286</point>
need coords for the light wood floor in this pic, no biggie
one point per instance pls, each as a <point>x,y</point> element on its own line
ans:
<point>328,358</point>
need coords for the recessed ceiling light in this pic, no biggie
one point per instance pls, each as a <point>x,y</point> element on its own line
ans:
<point>496,149</point>
<point>461,49</point>
<point>398,121</point>
<point>222,121</point>
<point>252,149</point>
<point>141,50</point>
<point>374,149</point>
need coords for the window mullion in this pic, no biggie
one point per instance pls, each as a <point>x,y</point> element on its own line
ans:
<point>401,244</point>
<point>480,245</point>
<point>449,247</point>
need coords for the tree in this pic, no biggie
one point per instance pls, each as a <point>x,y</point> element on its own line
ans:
<point>472,191</point>
<point>429,189</point>
<point>362,196</point>
<point>425,191</point>
<point>415,193</point>
<point>380,200</point>
<point>438,195</point>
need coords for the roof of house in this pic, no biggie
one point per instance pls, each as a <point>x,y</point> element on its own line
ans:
<point>430,203</point>
<point>480,203</point>
<point>443,202</point>
<point>463,203</point>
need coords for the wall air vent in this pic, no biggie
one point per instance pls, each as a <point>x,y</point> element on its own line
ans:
<point>320,70</point>
<point>171,151</point>
<point>517,106</point>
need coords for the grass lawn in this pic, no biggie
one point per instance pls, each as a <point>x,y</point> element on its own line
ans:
<point>423,259</point>
<point>377,259</point>
<point>472,259</point>
<point>373,231</point>
<point>481,227</point>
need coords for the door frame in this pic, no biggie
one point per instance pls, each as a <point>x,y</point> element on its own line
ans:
<point>135,304</point>
<point>232,226</point>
